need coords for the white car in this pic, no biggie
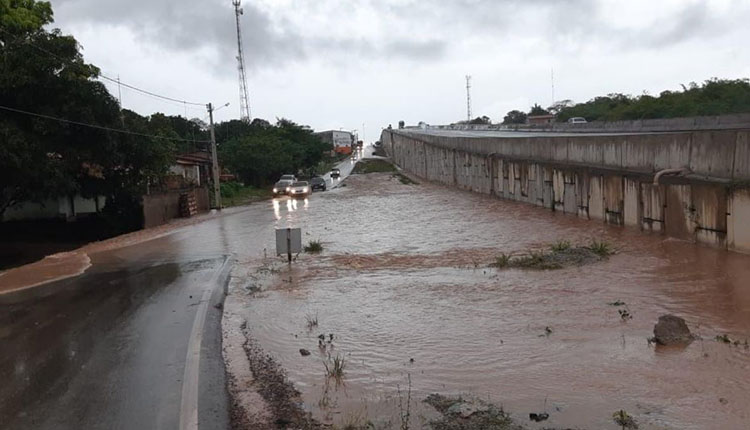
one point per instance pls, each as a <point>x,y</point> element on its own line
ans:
<point>300,189</point>
<point>577,120</point>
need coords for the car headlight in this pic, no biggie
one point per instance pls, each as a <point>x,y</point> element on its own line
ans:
<point>304,190</point>
<point>288,188</point>
<point>275,190</point>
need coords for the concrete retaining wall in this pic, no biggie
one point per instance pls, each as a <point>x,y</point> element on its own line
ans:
<point>604,178</point>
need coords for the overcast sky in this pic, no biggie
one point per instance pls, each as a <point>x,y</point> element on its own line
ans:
<point>344,63</point>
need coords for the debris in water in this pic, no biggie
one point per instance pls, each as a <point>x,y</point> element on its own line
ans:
<point>625,314</point>
<point>304,352</point>
<point>542,416</point>
<point>459,413</point>
<point>617,303</point>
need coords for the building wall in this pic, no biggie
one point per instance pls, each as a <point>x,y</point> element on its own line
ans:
<point>190,172</point>
<point>53,208</point>
<point>159,208</point>
<point>602,178</point>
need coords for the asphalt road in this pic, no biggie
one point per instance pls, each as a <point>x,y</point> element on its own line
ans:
<point>135,341</point>
<point>107,349</point>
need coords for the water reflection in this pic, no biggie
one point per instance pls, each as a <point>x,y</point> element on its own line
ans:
<point>276,209</point>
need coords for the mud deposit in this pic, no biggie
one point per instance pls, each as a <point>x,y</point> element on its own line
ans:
<point>404,287</point>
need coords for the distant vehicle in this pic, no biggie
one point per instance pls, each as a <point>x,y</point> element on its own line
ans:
<point>577,120</point>
<point>284,184</point>
<point>335,173</point>
<point>377,143</point>
<point>317,183</point>
<point>300,189</point>
<point>359,144</point>
<point>281,188</point>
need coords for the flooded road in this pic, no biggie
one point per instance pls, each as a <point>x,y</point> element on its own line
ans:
<point>403,285</point>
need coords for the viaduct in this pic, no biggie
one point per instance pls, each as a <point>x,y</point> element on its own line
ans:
<point>687,178</point>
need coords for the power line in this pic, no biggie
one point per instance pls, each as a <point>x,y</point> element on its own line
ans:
<point>102,75</point>
<point>117,81</point>
<point>99,127</point>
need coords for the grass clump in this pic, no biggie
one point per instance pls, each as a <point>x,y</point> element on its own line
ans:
<point>602,249</point>
<point>561,245</point>
<point>561,254</point>
<point>311,321</point>
<point>502,261</point>
<point>624,420</point>
<point>314,247</point>
<point>373,166</point>
<point>335,367</point>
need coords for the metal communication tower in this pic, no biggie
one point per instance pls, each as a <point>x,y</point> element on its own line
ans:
<point>244,99</point>
<point>468,97</point>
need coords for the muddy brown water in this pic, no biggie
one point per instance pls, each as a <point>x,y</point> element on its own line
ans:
<point>403,276</point>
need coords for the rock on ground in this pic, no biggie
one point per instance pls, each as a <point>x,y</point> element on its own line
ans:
<point>671,330</point>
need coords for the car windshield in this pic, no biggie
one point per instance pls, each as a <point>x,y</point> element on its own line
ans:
<point>300,184</point>
<point>317,180</point>
<point>335,170</point>
<point>287,178</point>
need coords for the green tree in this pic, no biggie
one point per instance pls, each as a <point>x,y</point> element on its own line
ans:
<point>266,151</point>
<point>481,120</point>
<point>514,117</point>
<point>42,71</point>
<point>538,110</point>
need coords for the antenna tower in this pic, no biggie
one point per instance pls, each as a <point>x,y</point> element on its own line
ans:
<point>468,98</point>
<point>244,99</point>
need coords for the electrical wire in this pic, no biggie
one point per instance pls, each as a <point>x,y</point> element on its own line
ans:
<point>117,81</point>
<point>99,127</point>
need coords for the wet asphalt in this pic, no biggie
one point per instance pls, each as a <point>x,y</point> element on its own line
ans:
<point>106,350</point>
<point>109,349</point>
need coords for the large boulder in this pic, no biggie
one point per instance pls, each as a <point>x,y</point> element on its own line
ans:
<point>672,330</point>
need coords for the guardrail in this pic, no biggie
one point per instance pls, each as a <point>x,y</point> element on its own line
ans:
<point>719,122</point>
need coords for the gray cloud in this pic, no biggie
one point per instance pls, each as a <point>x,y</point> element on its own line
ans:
<point>409,30</point>
<point>190,25</point>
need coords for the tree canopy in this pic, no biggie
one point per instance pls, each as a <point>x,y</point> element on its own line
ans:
<point>43,76</point>
<point>264,152</point>
<point>713,97</point>
<point>514,117</point>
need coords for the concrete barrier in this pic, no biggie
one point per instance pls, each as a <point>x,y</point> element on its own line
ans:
<point>606,178</point>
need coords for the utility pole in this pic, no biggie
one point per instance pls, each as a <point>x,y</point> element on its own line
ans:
<point>244,99</point>
<point>468,98</point>
<point>214,159</point>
